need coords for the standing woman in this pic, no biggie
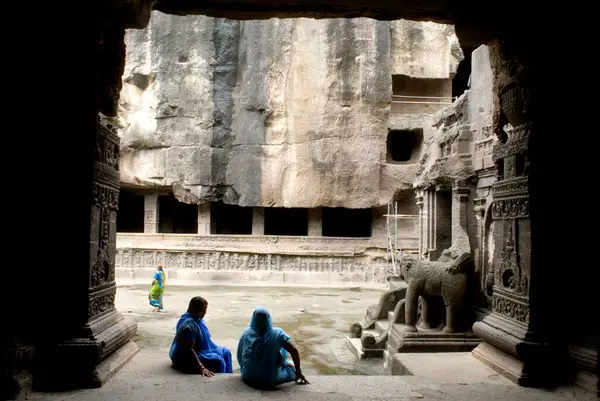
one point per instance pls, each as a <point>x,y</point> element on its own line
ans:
<point>158,289</point>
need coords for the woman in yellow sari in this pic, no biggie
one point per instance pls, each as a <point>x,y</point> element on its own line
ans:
<point>158,289</point>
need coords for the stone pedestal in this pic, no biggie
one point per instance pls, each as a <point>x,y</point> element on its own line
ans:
<point>430,340</point>
<point>87,355</point>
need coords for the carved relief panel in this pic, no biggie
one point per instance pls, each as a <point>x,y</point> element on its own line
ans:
<point>510,208</point>
<point>105,197</point>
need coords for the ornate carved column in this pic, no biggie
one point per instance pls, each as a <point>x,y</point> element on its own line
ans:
<point>102,344</point>
<point>93,341</point>
<point>514,345</point>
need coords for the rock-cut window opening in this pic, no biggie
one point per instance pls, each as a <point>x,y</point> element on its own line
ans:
<point>404,146</point>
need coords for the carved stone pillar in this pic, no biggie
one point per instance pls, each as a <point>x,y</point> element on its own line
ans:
<point>440,232</point>
<point>204,219</point>
<point>150,214</point>
<point>514,345</point>
<point>428,220</point>
<point>460,236</point>
<point>315,222</point>
<point>479,208</point>
<point>419,200</point>
<point>102,344</point>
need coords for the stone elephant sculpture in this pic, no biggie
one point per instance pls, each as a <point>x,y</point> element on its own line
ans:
<point>447,279</point>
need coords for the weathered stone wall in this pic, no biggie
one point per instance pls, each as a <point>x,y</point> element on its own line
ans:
<point>288,113</point>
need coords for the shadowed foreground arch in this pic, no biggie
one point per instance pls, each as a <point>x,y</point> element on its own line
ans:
<point>553,307</point>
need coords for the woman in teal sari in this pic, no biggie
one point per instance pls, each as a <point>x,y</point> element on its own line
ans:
<point>158,289</point>
<point>263,354</point>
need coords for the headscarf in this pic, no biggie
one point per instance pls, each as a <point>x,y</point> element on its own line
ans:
<point>261,321</point>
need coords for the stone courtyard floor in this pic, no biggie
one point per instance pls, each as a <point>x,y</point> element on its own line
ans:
<point>148,377</point>
<point>317,320</point>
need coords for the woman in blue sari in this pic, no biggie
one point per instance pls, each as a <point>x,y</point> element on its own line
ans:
<point>263,354</point>
<point>192,350</point>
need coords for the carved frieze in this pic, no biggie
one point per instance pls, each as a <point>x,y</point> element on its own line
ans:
<point>512,187</point>
<point>106,175</point>
<point>516,207</point>
<point>238,261</point>
<point>511,309</point>
<point>105,197</point>
<point>101,301</point>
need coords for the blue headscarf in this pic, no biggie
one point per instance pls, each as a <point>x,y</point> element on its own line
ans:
<point>261,320</point>
<point>260,348</point>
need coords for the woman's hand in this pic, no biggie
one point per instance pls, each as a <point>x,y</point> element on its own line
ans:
<point>205,372</point>
<point>300,379</point>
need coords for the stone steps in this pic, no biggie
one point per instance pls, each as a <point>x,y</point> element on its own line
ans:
<point>356,347</point>
<point>381,326</point>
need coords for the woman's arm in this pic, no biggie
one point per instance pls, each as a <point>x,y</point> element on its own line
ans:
<point>189,344</point>
<point>291,348</point>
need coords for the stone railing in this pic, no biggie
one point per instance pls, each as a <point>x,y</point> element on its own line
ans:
<point>249,243</point>
<point>278,260</point>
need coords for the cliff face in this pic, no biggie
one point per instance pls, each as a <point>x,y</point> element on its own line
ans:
<point>290,112</point>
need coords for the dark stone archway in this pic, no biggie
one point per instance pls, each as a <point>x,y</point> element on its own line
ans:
<point>81,321</point>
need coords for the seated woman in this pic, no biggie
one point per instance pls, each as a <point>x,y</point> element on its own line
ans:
<point>192,350</point>
<point>262,354</point>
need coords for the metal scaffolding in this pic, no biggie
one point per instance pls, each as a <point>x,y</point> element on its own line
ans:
<point>394,254</point>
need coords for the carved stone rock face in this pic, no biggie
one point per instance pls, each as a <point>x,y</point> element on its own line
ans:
<point>229,110</point>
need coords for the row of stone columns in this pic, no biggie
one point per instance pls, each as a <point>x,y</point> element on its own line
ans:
<point>151,215</point>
